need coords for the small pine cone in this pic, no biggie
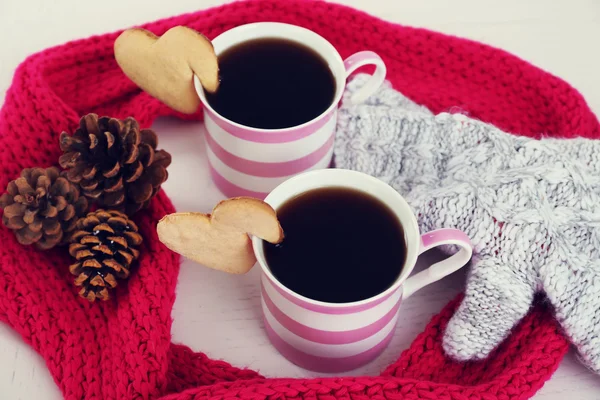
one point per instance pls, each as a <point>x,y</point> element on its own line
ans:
<point>115,163</point>
<point>105,246</point>
<point>42,207</point>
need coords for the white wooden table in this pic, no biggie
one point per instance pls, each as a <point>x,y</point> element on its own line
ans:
<point>218,313</point>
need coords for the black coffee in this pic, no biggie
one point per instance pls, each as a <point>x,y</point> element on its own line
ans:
<point>271,84</point>
<point>341,245</point>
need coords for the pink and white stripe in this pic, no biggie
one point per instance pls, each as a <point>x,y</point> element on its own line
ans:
<point>252,162</point>
<point>246,161</point>
<point>328,338</point>
<point>332,337</point>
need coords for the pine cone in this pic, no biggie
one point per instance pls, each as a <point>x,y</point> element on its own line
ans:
<point>105,246</point>
<point>115,163</point>
<point>42,207</point>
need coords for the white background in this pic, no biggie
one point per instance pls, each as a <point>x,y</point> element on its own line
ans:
<point>219,314</point>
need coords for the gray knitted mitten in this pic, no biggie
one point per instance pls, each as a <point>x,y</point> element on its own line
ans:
<point>530,207</point>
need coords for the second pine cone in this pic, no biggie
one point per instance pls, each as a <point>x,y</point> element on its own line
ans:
<point>114,162</point>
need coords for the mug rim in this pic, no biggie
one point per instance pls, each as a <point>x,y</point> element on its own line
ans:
<point>272,28</point>
<point>410,227</point>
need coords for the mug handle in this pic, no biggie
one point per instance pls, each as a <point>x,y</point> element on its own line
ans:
<point>361,59</point>
<point>445,267</point>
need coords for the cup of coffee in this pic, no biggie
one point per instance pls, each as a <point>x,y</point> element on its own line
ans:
<point>332,289</point>
<point>275,112</point>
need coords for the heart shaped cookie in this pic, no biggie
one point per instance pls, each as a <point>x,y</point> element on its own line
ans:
<point>220,240</point>
<point>165,66</point>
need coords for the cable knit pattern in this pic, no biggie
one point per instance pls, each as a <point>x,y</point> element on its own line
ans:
<point>531,207</point>
<point>122,350</point>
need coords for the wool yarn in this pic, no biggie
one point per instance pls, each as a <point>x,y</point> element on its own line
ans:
<point>122,349</point>
<point>531,208</point>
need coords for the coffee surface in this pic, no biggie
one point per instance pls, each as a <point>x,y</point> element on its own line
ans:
<point>272,84</point>
<point>341,245</point>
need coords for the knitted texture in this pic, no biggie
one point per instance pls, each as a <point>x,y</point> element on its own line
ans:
<point>121,349</point>
<point>531,208</point>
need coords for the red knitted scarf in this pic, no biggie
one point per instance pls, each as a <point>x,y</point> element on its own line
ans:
<point>122,349</point>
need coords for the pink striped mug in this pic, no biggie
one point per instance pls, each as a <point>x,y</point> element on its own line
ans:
<point>247,161</point>
<point>337,337</point>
